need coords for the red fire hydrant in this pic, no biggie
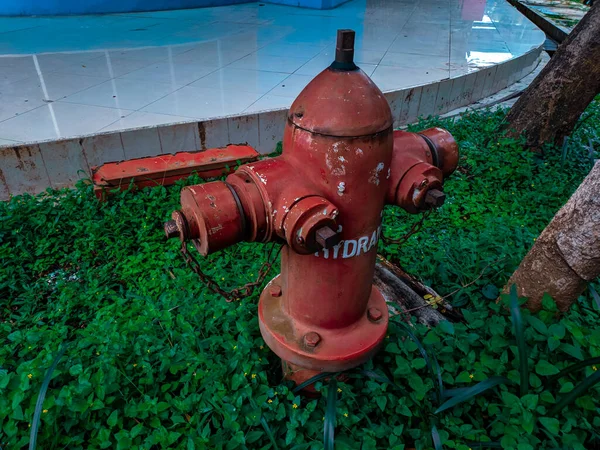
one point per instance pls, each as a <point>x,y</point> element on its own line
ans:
<point>323,198</point>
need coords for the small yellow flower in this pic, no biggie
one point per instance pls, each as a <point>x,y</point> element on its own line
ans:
<point>253,376</point>
<point>269,401</point>
<point>532,185</point>
<point>471,376</point>
<point>45,411</point>
<point>345,414</point>
<point>29,376</point>
<point>222,279</point>
<point>29,425</point>
<point>135,365</point>
<point>262,346</point>
<point>245,374</point>
<point>97,353</point>
<point>534,239</point>
<point>388,336</point>
<point>339,390</point>
<point>148,350</point>
<point>214,317</point>
<point>595,368</point>
<point>295,406</point>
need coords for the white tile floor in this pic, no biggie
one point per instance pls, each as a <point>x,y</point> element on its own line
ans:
<point>66,76</point>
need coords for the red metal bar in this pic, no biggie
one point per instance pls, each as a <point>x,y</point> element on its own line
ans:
<point>164,170</point>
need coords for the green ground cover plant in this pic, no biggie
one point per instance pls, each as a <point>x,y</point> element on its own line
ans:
<point>145,356</point>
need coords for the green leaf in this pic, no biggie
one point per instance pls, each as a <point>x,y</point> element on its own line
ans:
<point>551,424</point>
<point>538,325</point>
<point>571,350</point>
<point>76,369</point>
<point>112,419</point>
<point>490,292</point>
<point>528,422</point>
<point>473,391</point>
<point>381,401</point>
<point>581,388</point>
<point>557,330</point>
<point>329,426</point>
<point>446,326</point>
<point>544,368</point>
<point>530,401</point>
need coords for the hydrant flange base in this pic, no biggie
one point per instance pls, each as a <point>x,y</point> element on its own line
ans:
<point>337,349</point>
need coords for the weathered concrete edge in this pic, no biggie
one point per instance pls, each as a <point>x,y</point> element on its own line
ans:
<point>504,98</point>
<point>33,167</point>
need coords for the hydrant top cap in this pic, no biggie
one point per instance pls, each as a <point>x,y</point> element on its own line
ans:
<point>341,103</point>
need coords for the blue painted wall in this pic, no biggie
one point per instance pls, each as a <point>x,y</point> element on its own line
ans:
<point>68,7</point>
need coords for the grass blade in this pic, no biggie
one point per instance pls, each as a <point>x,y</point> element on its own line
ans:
<point>472,392</point>
<point>313,380</point>
<point>438,373</point>
<point>380,378</point>
<point>574,367</point>
<point>267,429</point>
<point>329,428</point>
<point>437,441</point>
<point>565,151</point>
<point>517,319</point>
<point>35,426</point>
<point>264,424</point>
<point>416,340</point>
<point>595,295</point>
<point>449,393</point>
<point>582,387</point>
<point>484,445</point>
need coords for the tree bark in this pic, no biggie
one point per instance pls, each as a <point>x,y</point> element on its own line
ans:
<point>549,108</point>
<point>566,256</point>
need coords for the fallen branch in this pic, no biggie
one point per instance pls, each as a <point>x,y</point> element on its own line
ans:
<point>411,297</point>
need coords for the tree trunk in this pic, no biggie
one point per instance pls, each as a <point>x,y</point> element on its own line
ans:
<point>549,108</point>
<point>566,256</point>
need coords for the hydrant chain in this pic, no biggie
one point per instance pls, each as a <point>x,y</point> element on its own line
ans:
<point>239,292</point>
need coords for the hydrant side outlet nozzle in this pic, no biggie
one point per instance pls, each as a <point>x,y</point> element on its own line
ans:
<point>324,198</point>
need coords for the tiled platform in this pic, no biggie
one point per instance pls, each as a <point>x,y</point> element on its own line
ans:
<point>73,76</point>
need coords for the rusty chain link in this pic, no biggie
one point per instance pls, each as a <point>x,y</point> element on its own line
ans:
<point>237,293</point>
<point>414,229</point>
